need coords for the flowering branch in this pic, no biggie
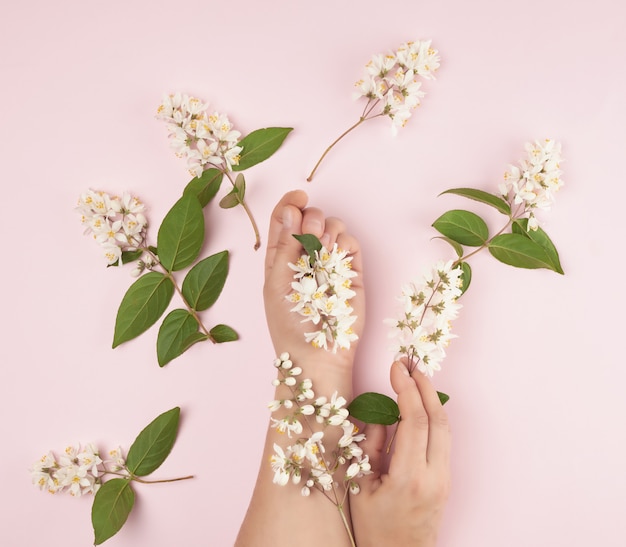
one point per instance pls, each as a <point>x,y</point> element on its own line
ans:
<point>391,82</point>
<point>209,142</point>
<point>81,472</point>
<point>119,225</point>
<point>430,304</point>
<point>308,459</point>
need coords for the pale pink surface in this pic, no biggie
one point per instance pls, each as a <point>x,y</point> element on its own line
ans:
<point>536,375</point>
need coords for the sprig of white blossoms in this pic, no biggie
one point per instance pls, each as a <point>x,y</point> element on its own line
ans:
<point>321,293</point>
<point>391,79</point>
<point>429,306</point>
<point>206,140</point>
<point>77,471</point>
<point>117,223</point>
<point>534,183</point>
<point>308,460</point>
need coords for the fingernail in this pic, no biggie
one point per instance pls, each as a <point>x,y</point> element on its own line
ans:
<point>287,218</point>
<point>403,368</point>
<point>325,240</point>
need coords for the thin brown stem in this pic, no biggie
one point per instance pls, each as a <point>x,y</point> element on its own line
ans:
<point>346,132</point>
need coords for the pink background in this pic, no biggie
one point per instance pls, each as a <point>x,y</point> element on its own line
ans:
<point>536,375</point>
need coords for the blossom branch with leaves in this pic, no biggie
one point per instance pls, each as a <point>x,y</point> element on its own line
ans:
<point>82,471</point>
<point>429,305</point>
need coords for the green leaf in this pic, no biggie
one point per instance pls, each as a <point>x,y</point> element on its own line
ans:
<point>181,234</point>
<point>193,339</point>
<point>310,243</point>
<point>204,282</point>
<point>466,277</point>
<point>223,333</point>
<point>458,249</point>
<point>206,186</point>
<point>464,227</point>
<point>520,226</point>
<point>236,195</point>
<point>260,145</point>
<point>112,504</point>
<point>443,398</point>
<point>153,444</point>
<point>484,197</point>
<point>520,251</point>
<point>374,408</point>
<point>142,305</point>
<point>175,329</point>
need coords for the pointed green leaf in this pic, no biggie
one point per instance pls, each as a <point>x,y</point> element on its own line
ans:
<point>223,333</point>
<point>466,277</point>
<point>520,226</point>
<point>464,227</point>
<point>443,398</point>
<point>181,234</point>
<point>483,197</point>
<point>204,282</point>
<point>374,408</point>
<point>260,145</point>
<point>205,186</point>
<point>142,305</point>
<point>153,444</point>
<point>458,248</point>
<point>230,200</point>
<point>520,251</point>
<point>111,506</point>
<point>310,243</point>
<point>175,329</point>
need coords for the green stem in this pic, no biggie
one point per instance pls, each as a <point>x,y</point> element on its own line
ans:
<point>242,202</point>
<point>512,219</point>
<point>346,524</point>
<point>190,309</point>
<point>135,478</point>
<point>143,481</point>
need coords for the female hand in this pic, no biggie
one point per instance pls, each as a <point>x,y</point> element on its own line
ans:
<point>404,507</point>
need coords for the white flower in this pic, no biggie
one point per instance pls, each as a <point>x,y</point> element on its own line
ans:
<point>205,140</point>
<point>117,224</point>
<point>534,183</point>
<point>392,80</point>
<point>321,292</point>
<point>429,306</point>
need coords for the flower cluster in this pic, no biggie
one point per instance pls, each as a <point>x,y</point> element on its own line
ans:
<point>537,179</point>
<point>206,140</point>
<point>392,79</point>
<point>429,307</point>
<point>321,293</point>
<point>118,224</point>
<point>77,471</point>
<point>308,461</point>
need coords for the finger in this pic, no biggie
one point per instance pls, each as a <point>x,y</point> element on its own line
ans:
<point>285,220</point>
<point>313,222</point>
<point>373,445</point>
<point>412,434</point>
<point>333,228</point>
<point>438,424</point>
